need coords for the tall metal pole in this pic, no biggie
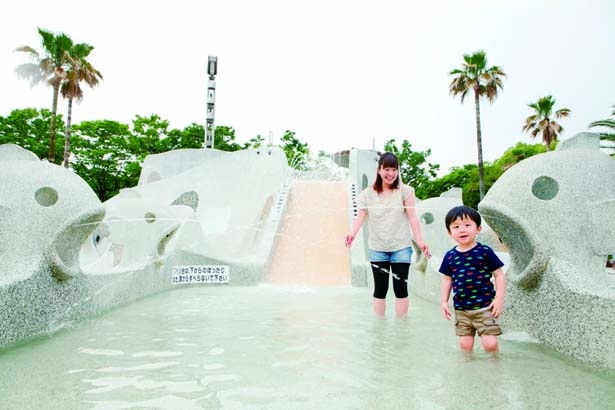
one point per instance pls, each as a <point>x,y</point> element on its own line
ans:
<point>212,70</point>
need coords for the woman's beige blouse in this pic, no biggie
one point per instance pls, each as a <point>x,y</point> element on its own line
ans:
<point>387,222</point>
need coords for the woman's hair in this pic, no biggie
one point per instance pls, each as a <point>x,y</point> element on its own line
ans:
<point>387,160</point>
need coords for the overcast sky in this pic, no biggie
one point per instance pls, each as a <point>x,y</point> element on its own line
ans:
<point>340,74</point>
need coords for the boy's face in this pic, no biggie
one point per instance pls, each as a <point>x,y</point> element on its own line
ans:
<point>464,231</point>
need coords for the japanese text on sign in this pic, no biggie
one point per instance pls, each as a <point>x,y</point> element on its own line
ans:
<point>200,274</point>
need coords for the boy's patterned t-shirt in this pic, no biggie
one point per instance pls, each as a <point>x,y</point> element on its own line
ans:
<point>471,272</point>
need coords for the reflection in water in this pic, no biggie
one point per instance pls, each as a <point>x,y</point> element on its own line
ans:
<point>279,348</point>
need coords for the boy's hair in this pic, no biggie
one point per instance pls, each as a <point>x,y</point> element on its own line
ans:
<point>461,212</point>
<point>386,160</point>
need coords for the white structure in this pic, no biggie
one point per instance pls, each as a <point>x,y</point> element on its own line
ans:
<point>212,70</point>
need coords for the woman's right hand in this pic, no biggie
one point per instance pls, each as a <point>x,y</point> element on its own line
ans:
<point>348,240</point>
<point>425,249</point>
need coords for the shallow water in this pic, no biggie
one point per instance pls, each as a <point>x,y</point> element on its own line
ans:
<point>270,347</point>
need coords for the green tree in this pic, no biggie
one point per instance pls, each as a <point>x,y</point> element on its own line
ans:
<point>465,177</point>
<point>224,139</point>
<point>189,137</point>
<point>413,165</point>
<point>150,135</point>
<point>541,121</point>
<point>606,123</point>
<point>80,70</point>
<point>297,152</point>
<point>103,157</point>
<point>29,128</point>
<point>49,67</point>
<point>192,137</point>
<point>255,142</point>
<point>517,154</point>
<point>474,75</point>
<point>147,136</point>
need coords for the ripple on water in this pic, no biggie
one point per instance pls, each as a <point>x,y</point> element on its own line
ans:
<point>147,366</point>
<point>216,351</point>
<point>109,384</point>
<point>167,402</point>
<point>156,354</point>
<point>280,349</point>
<point>217,378</point>
<point>100,352</point>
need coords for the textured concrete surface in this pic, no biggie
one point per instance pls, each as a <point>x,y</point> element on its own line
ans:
<point>46,212</point>
<point>551,219</point>
<point>66,256</point>
<point>362,169</point>
<point>555,212</point>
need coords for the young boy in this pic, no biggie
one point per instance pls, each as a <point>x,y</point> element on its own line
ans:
<point>467,269</point>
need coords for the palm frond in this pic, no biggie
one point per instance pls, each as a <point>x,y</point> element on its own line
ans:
<point>31,72</point>
<point>541,123</point>
<point>28,50</point>
<point>609,123</point>
<point>555,126</point>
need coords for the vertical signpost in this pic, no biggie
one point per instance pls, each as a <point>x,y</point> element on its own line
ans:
<point>212,69</point>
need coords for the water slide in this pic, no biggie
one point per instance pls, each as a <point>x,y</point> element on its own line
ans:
<point>309,247</point>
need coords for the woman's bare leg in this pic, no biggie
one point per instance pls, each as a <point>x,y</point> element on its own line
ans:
<point>379,306</point>
<point>401,306</point>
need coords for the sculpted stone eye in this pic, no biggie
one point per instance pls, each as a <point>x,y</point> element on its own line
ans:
<point>427,218</point>
<point>545,188</point>
<point>46,196</point>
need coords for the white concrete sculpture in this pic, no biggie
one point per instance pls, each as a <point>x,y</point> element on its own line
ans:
<point>556,214</point>
<point>65,256</point>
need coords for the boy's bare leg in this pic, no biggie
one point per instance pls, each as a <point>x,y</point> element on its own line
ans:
<point>401,306</point>
<point>379,306</point>
<point>466,343</point>
<point>490,343</point>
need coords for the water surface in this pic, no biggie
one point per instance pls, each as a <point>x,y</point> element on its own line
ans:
<point>272,347</point>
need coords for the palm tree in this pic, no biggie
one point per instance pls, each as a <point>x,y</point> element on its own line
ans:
<point>608,123</point>
<point>79,70</point>
<point>485,82</point>
<point>48,67</point>
<point>541,123</point>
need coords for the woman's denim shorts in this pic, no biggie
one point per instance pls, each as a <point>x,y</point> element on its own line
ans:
<point>400,256</point>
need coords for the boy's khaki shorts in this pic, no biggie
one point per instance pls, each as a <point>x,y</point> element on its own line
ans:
<point>469,322</point>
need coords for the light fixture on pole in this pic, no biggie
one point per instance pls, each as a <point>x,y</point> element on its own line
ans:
<point>212,70</point>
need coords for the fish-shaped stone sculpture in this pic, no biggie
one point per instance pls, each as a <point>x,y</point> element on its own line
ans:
<point>65,256</point>
<point>46,212</point>
<point>555,212</point>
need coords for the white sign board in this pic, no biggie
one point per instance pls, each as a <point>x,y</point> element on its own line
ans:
<point>186,274</point>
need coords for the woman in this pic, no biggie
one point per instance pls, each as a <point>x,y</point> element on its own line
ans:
<point>389,207</point>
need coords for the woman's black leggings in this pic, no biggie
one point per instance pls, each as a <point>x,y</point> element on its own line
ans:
<point>381,270</point>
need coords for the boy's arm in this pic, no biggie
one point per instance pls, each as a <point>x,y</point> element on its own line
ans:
<point>447,283</point>
<point>497,306</point>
